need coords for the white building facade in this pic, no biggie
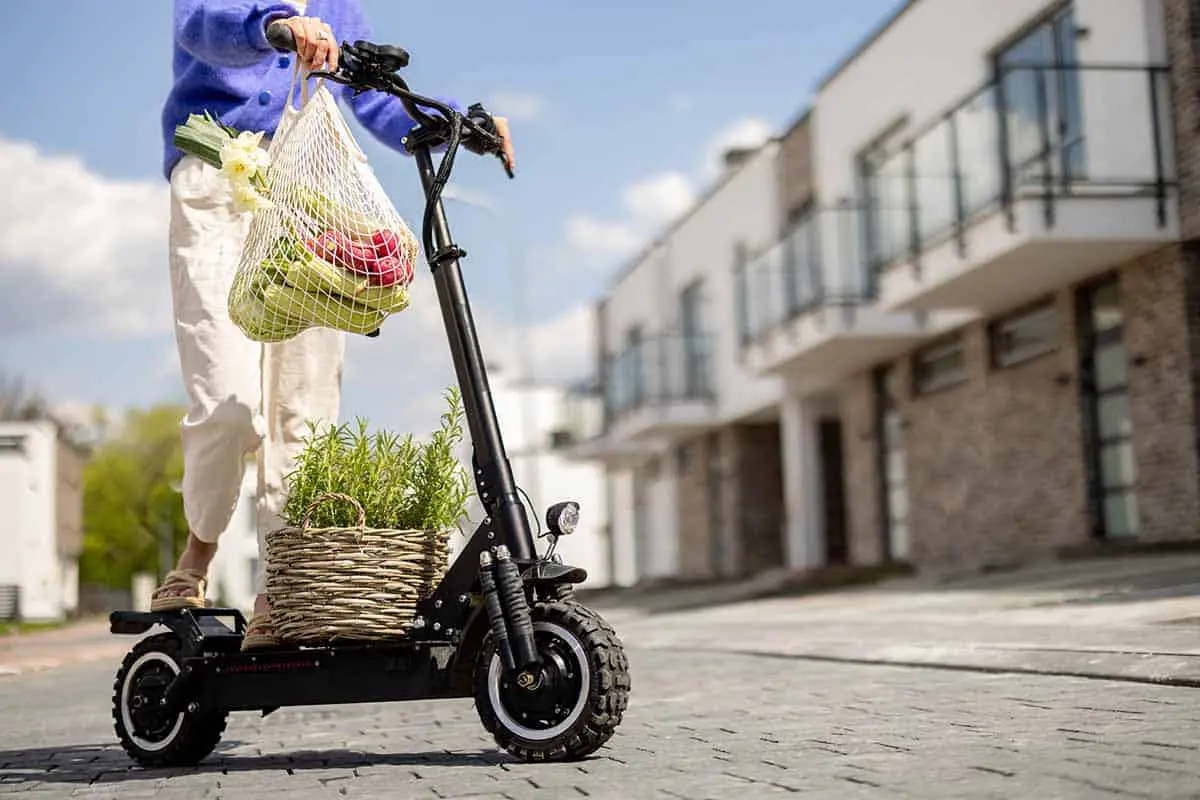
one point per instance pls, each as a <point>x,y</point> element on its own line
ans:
<point>690,437</point>
<point>41,535</point>
<point>965,299</point>
<point>532,416</point>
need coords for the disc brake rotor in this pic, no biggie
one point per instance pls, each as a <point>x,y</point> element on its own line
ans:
<point>151,721</point>
<point>554,696</point>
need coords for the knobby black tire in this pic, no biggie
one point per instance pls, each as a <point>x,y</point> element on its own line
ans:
<point>561,592</point>
<point>608,690</point>
<point>201,730</point>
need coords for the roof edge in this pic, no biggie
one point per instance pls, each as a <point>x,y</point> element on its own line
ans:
<point>872,36</point>
<point>665,232</point>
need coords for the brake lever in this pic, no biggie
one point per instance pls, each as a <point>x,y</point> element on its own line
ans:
<point>479,123</point>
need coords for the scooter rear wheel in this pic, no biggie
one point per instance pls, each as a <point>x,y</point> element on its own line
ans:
<point>581,700</point>
<point>154,737</point>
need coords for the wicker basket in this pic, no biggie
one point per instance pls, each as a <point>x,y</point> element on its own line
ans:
<point>329,584</point>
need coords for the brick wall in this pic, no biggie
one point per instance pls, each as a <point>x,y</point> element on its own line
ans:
<point>859,441</point>
<point>994,465</point>
<point>795,172</point>
<point>1182,43</point>
<point>996,468</point>
<point>758,497</point>
<point>1182,18</point>
<point>1163,392</point>
<point>730,500</point>
<point>997,465</point>
<point>692,497</point>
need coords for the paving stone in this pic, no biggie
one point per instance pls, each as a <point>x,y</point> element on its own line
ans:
<point>722,726</point>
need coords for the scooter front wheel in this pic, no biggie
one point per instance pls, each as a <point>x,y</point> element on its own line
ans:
<point>151,735</point>
<point>578,703</point>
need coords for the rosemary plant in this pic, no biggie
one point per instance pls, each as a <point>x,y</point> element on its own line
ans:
<point>402,484</point>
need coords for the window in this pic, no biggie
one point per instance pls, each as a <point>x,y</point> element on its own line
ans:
<point>1025,335</point>
<point>634,368</point>
<point>889,214</point>
<point>743,295</point>
<point>683,457</point>
<point>691,324</point>
<point>801,260</point>
<point>1043,97</point>
<point>939,366</point>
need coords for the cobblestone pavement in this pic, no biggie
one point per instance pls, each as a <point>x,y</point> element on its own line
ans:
<point>699,726</point>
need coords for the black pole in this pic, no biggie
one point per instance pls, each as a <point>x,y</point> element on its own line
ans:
<point>1046,158</point>
<point>1160,183</point>
<point>957,183</point>
<point>493,472</point>
<point>1006,168</point>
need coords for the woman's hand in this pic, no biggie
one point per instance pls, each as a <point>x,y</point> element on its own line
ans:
<point>315,42</point>
<point>510,157</point>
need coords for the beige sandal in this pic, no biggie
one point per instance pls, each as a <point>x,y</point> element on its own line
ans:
<point>168,597</point>
<point>260,635</point>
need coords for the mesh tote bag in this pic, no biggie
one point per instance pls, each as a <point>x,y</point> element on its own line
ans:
<point>326,247</point>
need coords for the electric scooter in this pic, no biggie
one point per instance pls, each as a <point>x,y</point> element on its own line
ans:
<point>548,676</point>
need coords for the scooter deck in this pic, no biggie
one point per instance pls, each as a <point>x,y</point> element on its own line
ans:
<point>218,675</point>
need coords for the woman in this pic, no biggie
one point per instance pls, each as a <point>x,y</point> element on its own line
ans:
<point>245,396</point>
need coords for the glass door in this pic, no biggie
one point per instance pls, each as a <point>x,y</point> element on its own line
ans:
<point>1040,78</point>
<point>893,460</point>
<point>691,326</point>
<point>1108,426</point>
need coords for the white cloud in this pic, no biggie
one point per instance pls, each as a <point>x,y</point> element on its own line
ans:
<point>655,201</point>
<point>564,347</point>
<point>398,378</point>
<point>471,197</point>
<point>516,105</point>
<point>80,251</point>
<point>660,198</point>
<point>601,238</point>
<point>748,132</point>
<point>648,204</point>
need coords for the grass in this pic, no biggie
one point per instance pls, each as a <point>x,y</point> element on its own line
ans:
<point>18,628</point>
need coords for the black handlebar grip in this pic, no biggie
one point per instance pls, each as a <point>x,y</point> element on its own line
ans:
<point>280,37</point>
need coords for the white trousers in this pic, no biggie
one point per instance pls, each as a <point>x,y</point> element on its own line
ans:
<point>245,397</point>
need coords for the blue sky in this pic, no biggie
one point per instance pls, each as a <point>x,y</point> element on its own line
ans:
<point>618,110</point>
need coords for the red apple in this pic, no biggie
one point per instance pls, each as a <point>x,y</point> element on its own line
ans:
<point>359,259</point>
<point>406,272</point>
<point>388,272</point>
<point>386,243</point>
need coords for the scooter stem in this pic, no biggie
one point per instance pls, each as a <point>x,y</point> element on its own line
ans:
<point>493,472</point>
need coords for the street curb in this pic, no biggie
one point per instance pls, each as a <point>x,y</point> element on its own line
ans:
<point>1163,669</point>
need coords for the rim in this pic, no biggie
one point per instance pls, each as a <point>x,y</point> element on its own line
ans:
<point>565,649</point>
<point>145,682</point>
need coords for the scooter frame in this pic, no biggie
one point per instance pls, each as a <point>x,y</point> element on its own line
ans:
<point>486,604</point>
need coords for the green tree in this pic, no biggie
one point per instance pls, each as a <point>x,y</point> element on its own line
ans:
<point>129,494</point>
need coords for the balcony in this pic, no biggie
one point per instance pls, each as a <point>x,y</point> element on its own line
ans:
<point>655,390</point>
<point>580,434</point>
<point>806,304</point>
<point>660,386</point>
<point>1044,176</point>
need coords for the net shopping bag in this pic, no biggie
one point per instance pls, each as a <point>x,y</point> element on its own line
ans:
<point>326,247</point>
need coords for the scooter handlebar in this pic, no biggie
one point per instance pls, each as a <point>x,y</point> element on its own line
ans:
<point>280,37</point>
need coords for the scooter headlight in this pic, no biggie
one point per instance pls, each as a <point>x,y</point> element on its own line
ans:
<point>562,518</point>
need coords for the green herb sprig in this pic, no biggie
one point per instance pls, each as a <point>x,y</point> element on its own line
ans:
<point>401,483</point>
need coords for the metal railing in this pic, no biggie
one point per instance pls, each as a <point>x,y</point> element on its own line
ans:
<point>1042,131</point>
<point>658,370</point>
<point>818,264</point>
